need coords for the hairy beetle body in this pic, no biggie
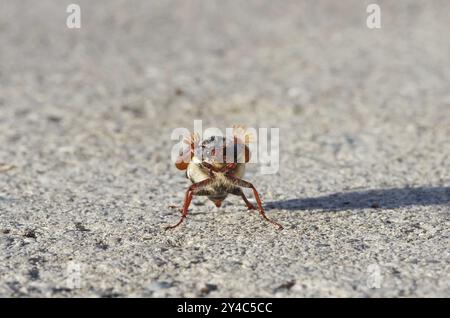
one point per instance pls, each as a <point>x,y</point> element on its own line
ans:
<point>215,166</point>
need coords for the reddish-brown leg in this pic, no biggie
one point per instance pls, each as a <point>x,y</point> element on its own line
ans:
<point>209,167</point>
<point>187,201</point>
<point>229,166</point>
<point>224,169</point>
<point>246,184</point>
<point>241,193</point>
<point>238,191</point>
<point>249,205</point>
<point>184,211</point>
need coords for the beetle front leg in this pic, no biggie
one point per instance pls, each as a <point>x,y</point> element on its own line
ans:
<point>187,200</point>
<point>225,169</point>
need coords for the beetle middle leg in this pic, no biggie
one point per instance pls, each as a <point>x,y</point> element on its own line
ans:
<point>193,189</point>
<point>246,184</point>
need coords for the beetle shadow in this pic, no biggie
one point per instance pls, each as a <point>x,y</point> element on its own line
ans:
<point>5,199</point>
<point>377,198</point>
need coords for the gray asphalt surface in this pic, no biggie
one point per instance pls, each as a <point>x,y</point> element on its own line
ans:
<point>363,188</point>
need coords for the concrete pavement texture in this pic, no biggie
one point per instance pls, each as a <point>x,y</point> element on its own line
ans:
<point>86,181</point>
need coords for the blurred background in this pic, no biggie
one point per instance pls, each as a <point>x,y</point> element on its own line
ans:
<point>86,116</point>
